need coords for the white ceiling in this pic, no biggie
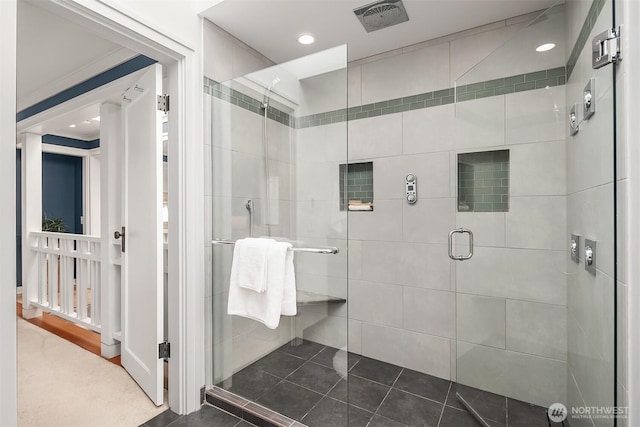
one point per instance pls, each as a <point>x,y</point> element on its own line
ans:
<point>55,54</point>
<point>272,26</point>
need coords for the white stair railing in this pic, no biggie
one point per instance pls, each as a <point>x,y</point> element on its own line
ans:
<point>68,276</point>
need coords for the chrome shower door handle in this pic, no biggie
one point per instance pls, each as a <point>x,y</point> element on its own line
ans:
<point>460,257</point>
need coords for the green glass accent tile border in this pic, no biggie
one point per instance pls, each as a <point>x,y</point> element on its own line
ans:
<point>518,83</point>
<point>232,96</point>
<point>583,37</point>
<point>502,86</point>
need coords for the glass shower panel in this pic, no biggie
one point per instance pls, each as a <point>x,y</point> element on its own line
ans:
<point>532,325</point>
<point>279,136</point>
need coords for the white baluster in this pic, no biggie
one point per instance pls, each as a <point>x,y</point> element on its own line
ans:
<point>81,282</point>
<point>51,262</point>
<point>42,270</point>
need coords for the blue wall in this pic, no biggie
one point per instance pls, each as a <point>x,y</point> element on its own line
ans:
<point>65,176</point>
<point>62,189</point>
<point>61,196</point>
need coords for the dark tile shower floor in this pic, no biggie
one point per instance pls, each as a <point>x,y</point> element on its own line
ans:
<point>301,383</point>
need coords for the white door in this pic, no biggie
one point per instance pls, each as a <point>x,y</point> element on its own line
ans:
<point>142,280</point>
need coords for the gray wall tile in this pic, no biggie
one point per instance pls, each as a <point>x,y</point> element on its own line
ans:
<point>538,329</point>
<point>481,320</point>
<point>429,311</point>
<point>376,303</point>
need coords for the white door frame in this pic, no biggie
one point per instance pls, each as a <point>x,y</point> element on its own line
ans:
<point>8,390</point>
<point>186,182</point>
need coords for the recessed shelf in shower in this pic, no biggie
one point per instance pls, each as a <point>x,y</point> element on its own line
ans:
<point>483,181</point>
<point>356,186</point>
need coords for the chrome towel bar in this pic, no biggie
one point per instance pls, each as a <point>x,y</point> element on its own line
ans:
<point>327,251</point>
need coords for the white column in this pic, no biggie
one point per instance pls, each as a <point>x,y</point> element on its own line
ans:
<point>8,381</point>
<point>91,179</point>
<point>186,231</point>
<point>110,221</point>
<point>31,219</point>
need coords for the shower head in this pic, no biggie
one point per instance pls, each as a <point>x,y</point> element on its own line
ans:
<point>381,14</point>
<point>265,102</point>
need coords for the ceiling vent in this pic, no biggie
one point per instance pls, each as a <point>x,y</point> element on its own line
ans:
<point>381,14</point>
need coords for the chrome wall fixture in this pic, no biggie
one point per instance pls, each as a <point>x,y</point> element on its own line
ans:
<point>588,107</point>
<point>574,126</point>
<point>411,185</point>
<point>249,205</point>
<point>574,247</point>
<point>589,99</point>
<point>590,256</point>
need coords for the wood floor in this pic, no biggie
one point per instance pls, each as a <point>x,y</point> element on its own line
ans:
<point>82,337</point>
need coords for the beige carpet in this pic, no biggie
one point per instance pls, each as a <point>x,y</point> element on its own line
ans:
<point>62,385</point>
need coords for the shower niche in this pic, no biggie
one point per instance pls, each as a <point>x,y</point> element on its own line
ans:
<point>483,181</point>
<point>356,186</point>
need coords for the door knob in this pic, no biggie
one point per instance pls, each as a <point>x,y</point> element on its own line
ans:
<point>120,234</point>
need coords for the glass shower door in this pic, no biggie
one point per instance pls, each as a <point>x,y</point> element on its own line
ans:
<point>534,324</point>
<point>274,133</point>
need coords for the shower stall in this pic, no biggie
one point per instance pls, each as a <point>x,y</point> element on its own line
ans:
<point>453,234</point>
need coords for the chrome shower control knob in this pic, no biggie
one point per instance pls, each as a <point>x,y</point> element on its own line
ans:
<point>587,100</point>
<point>411,198</point>
<point>588,255</point>
<point>573,121</point>
<point>411,177</point>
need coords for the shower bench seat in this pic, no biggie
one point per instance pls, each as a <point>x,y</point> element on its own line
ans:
<point>310,298</point>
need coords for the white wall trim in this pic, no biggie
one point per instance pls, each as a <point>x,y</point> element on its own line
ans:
<point>117,56</point>
<point>96,96</point>
<point>8,374</point>
<point>65,151</point>
<point>186,175</point>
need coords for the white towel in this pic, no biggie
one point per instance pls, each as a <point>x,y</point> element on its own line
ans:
<point>360,207</point>
<point>289,300</point>
<point>249,266</point>
<point>267,307</point>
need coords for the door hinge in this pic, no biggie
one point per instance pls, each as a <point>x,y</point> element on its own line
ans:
<point>164,350</point>
<point>605,48</point>
<point>163,103</point>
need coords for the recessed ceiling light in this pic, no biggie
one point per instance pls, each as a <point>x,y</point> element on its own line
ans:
<point>96,119</point>
<point>72,126</point>
<point>545,47</point>
<point>86,122</point>
<point>306,38</point>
